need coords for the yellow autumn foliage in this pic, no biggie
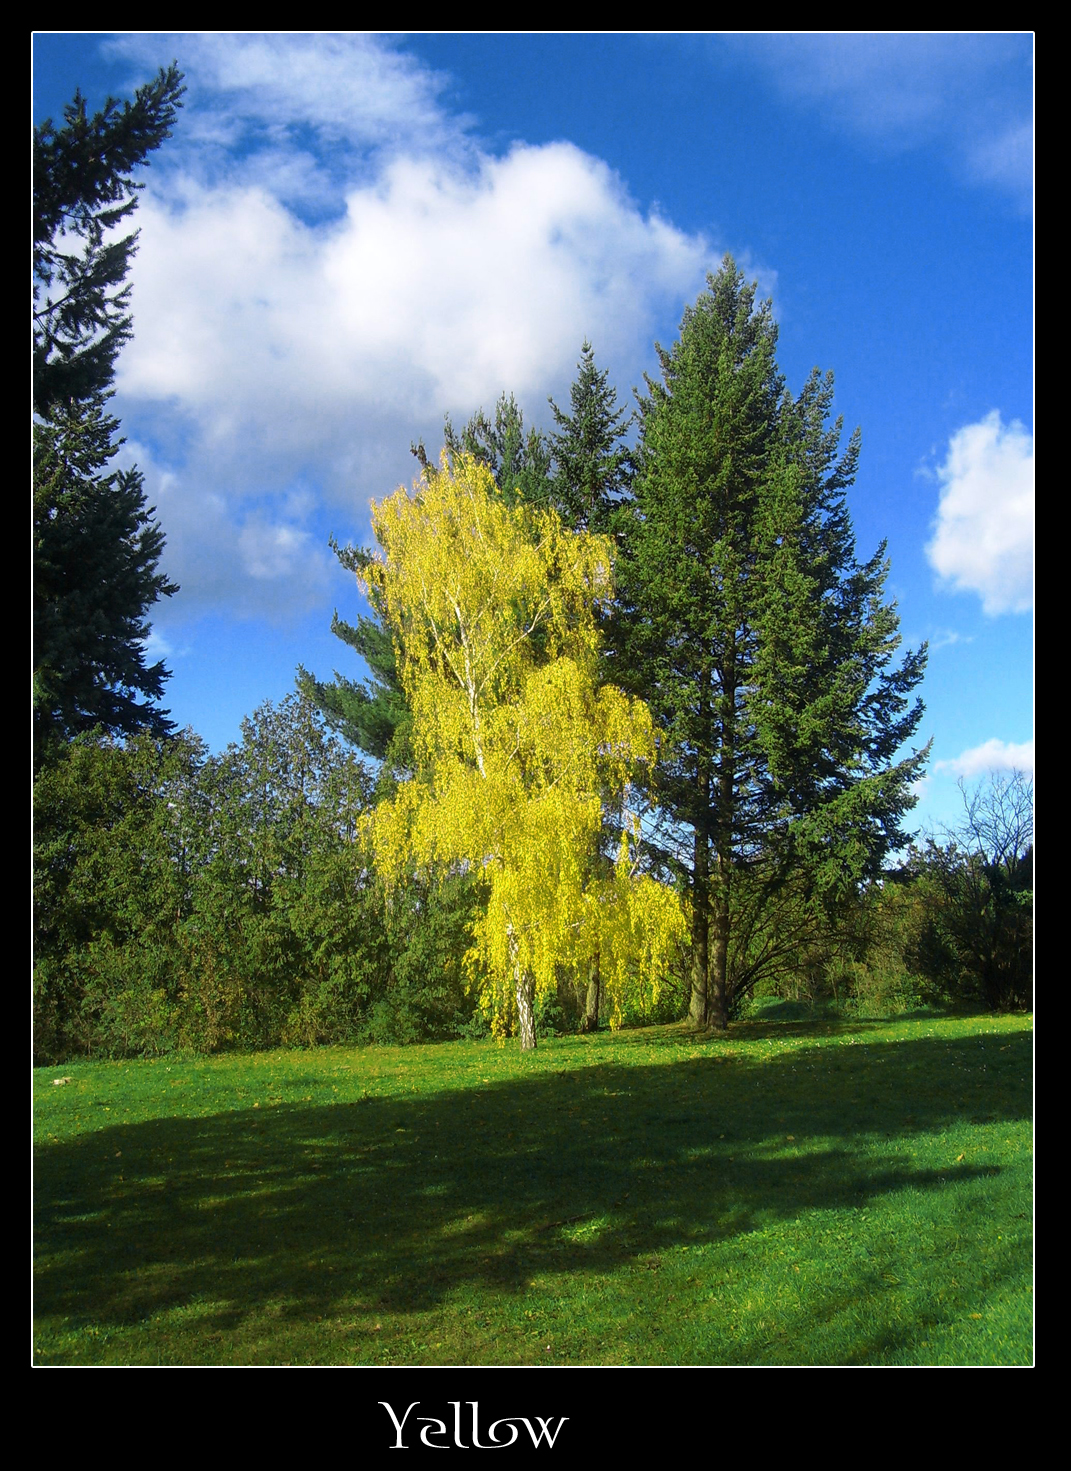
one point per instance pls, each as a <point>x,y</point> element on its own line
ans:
<point>518,748</point>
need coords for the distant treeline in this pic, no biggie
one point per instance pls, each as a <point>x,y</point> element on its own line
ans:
<point>194,902</point>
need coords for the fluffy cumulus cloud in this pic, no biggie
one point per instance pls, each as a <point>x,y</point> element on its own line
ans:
<point>969,96</point>
<point>437,289</point>
<point>992,755</point>
<point>280,343</point>
<point>984,536</point>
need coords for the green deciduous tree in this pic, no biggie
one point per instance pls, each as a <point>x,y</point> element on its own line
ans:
<point>209,902</point>
<point>762,644</point>
<point>517,747</point>
<point>272,941</point>
<point>97,544</point>
<point>977,888</point>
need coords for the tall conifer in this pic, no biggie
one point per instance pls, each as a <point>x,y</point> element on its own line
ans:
<point>592,469</point>
<point>763,646</point>
<point>97,544</point>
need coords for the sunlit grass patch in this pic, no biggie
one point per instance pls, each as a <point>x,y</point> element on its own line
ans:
<point>855,1193</point>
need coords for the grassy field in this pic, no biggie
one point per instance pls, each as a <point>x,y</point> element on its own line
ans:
<point>795,1193</point>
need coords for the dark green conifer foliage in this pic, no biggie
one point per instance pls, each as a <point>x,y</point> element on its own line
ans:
<point>83,188</point>
<point>97,550</point>
<point>589,486</point>
<point>518,459</point>
<point>96,544</point>
<point>592,470</point>
<point>372,715</point>
<point>763,646</point>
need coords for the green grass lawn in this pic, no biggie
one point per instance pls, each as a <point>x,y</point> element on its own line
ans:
<point>817,1192</point>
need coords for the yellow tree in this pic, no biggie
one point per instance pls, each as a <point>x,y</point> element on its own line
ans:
<point>517,747</point>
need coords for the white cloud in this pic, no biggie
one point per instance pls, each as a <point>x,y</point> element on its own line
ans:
<point>349,85</point>
<point>437,287</point>
<point>271,551</point>
<point>302,110</point>
<point>984,534</point>
<point>1005,158</point>
<point>327,264</point>
<point>254,560</point>
<point>947,638</point>
<point>992,755</point>
<point>156,647</point>
<point>970,95</point>
<point>279,343</point>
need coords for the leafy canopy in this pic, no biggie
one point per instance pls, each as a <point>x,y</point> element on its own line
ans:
<point>517,747</point>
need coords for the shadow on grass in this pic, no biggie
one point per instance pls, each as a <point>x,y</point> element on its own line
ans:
<point>796,1020</point>
<point>391,1204</point>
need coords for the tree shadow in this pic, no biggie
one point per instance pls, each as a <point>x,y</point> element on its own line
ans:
<point>770,1024</point>
<point>394,1203</point>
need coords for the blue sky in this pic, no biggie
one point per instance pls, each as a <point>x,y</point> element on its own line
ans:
<point>350,236</point>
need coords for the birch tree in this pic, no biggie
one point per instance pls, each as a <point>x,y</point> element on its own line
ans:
<point>517,748</point>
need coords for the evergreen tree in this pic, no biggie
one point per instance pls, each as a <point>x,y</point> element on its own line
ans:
<point>96,573</point>
<point>97,545</point>
<point>763,646</point>
<point>590,483</point>
<point>592,470</point>
<point>518,459</point>
<point>113,822</point>
<point>373,715</point>
<point>83,189</point>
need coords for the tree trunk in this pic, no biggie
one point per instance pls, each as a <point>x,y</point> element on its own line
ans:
<point>697,1010</point>
<point>718,990</point>
<point>718,984</point>
<point>525,1008</point>
<point>594,999</point>
<point>700,1004</point>
<point>524,982</point>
